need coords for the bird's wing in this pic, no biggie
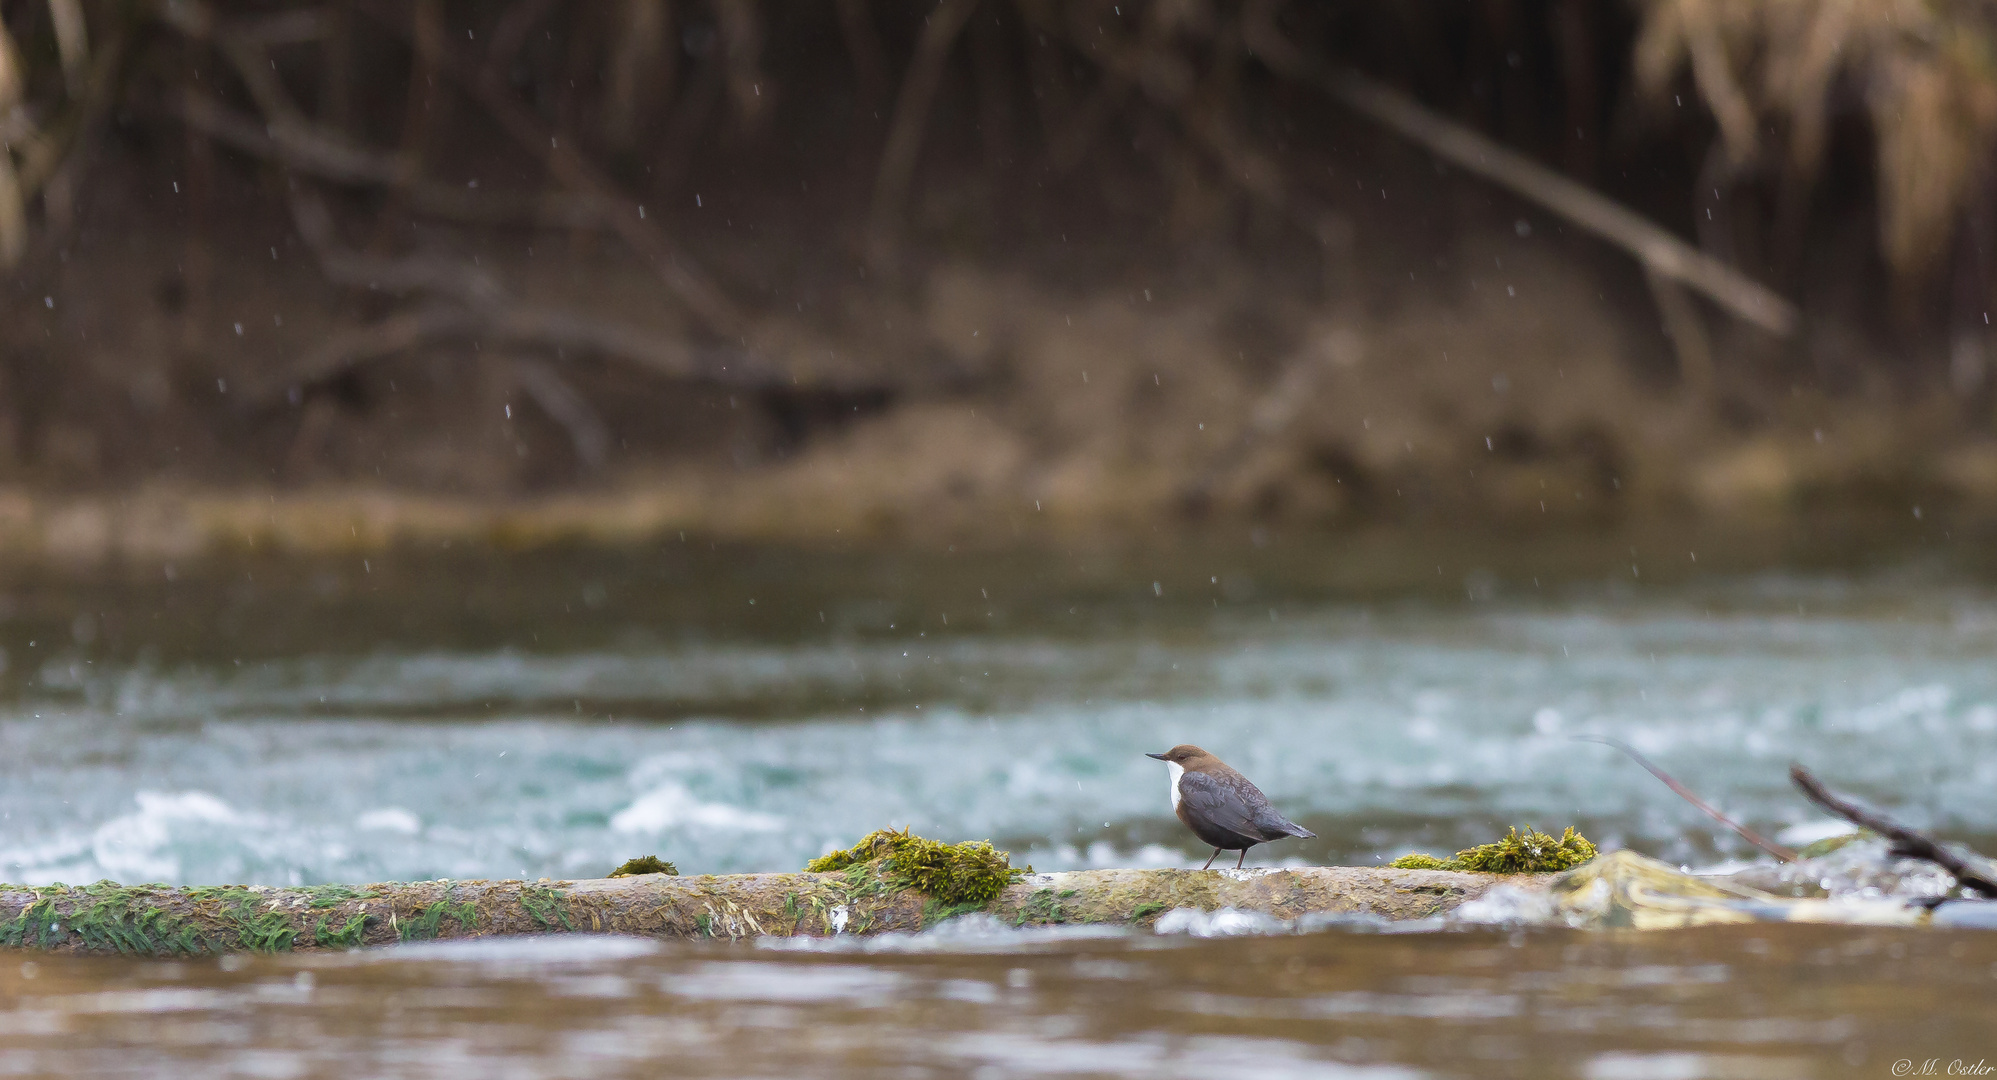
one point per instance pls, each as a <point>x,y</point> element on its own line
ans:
<point>1275,825</point>
<point>1220,804</point>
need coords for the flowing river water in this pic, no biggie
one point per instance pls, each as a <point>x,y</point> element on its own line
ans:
<point>550,715</point>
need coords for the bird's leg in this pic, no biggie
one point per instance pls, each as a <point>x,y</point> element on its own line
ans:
<point>1211,858</point>
<point>1243,859</point>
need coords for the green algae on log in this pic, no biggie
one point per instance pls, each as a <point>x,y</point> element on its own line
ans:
<point>163,920</point>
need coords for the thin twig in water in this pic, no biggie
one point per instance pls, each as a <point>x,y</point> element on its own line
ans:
<point>1685,793</point>
<point>1907,843</point>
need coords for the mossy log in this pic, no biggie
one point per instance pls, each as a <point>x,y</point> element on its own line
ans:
<point>183,920</point>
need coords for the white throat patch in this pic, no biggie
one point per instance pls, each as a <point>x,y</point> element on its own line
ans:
<point>1177,770</point>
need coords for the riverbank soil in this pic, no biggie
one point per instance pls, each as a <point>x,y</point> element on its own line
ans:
<point>892,279</point>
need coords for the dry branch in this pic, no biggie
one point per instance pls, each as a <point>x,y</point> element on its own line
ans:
<point>1685,793</point>
<point>565,163</point>
<point>467,303</point>
<point>1657,249</point>
<point>863,45</point>
<point>15,126</point>
<point>741,26</point>
<point>567,407</point>
<point>911,118</point>
<point>322,152</point>
<point>1170,82</point>
<point>49,150</point>
<point>677,268</point>
<point>1687,330</point>
<point>1972,871</point>
<point>641,65</point>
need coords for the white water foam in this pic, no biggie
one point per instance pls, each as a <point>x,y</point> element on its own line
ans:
<point>673,806</point>
<point>390,819</point>
<point>139,846</point>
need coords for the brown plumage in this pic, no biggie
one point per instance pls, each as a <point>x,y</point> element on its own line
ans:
<point>1221,806</point>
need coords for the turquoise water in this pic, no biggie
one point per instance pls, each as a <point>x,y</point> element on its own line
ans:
<point>555,715</point>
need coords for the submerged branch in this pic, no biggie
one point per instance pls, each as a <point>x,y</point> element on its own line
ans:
<point>1972,871</point>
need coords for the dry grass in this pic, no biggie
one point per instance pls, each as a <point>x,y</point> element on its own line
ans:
<point>1772,73</point>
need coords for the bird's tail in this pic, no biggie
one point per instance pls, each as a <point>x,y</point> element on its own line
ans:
<point>1298,831</point>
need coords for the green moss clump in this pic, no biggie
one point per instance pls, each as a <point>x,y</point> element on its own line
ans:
<point>972,872</point>
<point>649,864</point>
<point>1533,853</point>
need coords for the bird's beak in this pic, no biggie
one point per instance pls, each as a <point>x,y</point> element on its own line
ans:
<point>1160,757</point>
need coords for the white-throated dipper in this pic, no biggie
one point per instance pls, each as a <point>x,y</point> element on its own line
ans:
<point>1221,806</point>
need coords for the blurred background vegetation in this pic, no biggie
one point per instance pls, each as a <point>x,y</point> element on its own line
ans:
<point>358,271</point>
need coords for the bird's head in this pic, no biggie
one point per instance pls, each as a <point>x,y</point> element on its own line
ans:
<point>1184,755</point>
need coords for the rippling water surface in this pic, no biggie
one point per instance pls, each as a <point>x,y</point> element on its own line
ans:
<point>1736,1002</point>
<point>554,715</point>
<point>391,724</point>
